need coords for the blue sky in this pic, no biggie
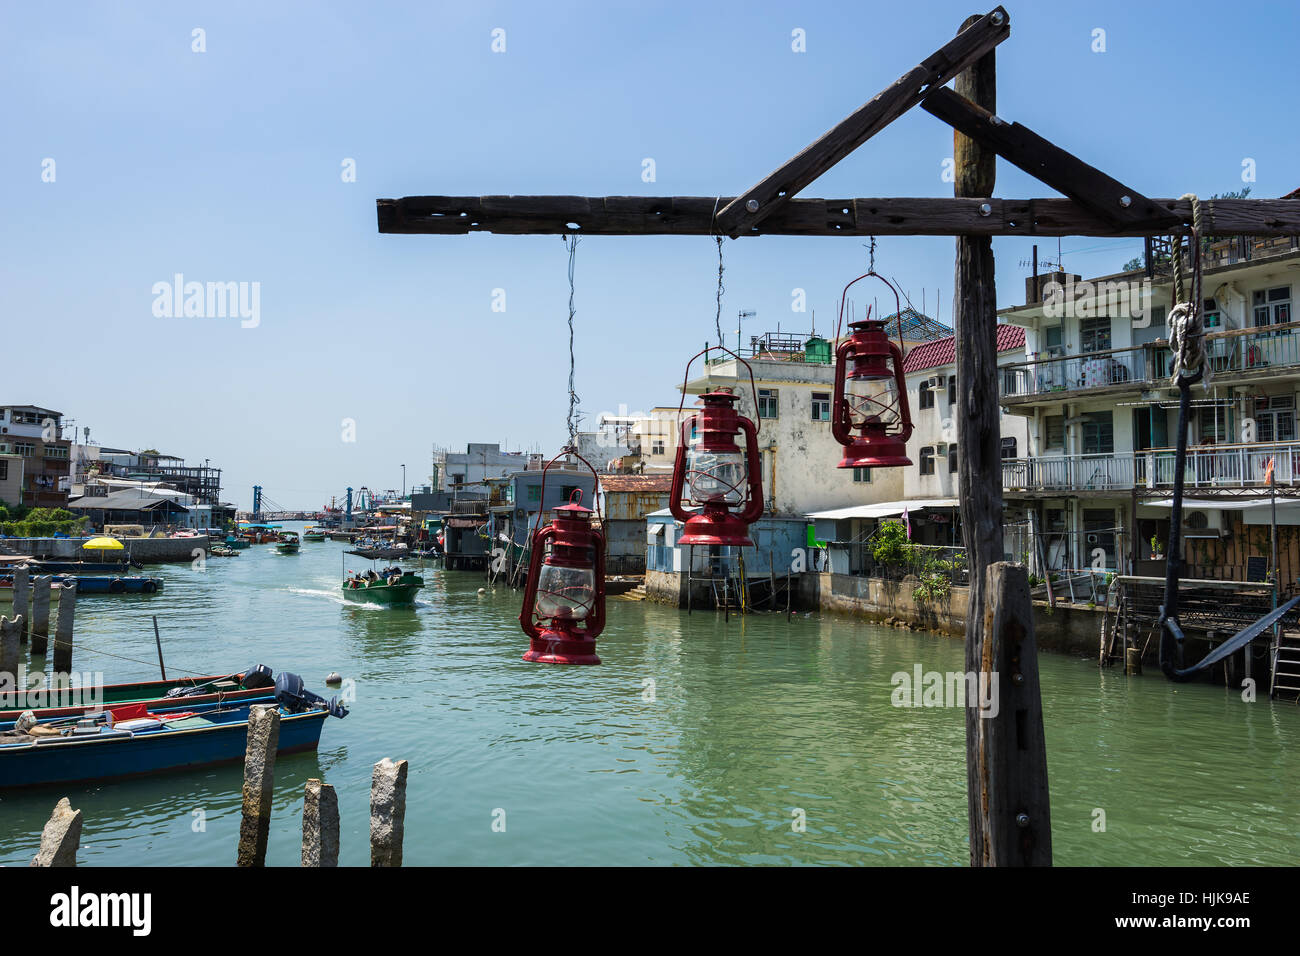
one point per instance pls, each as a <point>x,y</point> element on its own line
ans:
<point>226,165</point>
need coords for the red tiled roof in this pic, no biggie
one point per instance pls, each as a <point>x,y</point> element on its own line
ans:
<point>944,351</point>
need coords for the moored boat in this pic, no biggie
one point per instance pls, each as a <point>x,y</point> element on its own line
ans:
<point>313,534</point>
<point>49,701</point>
<point>133,740</point>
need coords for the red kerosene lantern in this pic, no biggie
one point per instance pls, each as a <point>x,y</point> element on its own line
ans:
<point>714,473</point>
<point>564,598</point>
<point>871,417</point>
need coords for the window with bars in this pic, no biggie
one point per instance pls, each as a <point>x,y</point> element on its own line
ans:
<point>1275,418</point>
<point>1099,433</point>
<point>821,406</point>
<point>1271,306</point>
<point>1054,431</point>
<point>1094,334</point>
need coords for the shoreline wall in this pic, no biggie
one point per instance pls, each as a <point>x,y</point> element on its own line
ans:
<point>143,550</point>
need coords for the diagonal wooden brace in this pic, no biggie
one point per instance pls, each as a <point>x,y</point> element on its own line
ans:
<point>1107,198</point>
<point>743,213</point>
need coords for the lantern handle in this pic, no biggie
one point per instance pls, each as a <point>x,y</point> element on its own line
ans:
<point>538,540</point>
<point>705,351</point>
<point>898,305</point>
<point>541,498</point>
<point>754,507</point>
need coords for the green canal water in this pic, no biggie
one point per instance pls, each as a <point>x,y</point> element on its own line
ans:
<point>695,742</point>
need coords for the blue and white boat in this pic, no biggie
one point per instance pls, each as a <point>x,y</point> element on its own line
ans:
<point>103,747</point>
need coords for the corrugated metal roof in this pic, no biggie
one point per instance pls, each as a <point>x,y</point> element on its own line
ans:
<point>944,351</point>
<point>644,484</point>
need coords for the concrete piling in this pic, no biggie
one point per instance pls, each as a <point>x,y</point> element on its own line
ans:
<point>22,595</point>
<point>387,812</point>
<point>259,775</point>
<point>320,825</point>
<point>63,629</point>
<point>10,649</point>
<point>40,613</point>
<point>60,838</point>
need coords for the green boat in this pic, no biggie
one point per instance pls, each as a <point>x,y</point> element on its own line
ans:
<point>395,588</point>
<point>288,543</point>
<point>311,534</point>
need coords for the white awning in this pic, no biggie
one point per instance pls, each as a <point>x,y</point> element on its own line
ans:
<point>885,509</point>
<point>1215,504</point>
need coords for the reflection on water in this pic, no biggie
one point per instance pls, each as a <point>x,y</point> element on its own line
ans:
<point>696,741</point>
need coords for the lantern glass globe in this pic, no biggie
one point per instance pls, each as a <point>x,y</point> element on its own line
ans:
<point>565,593</point>
<point>718,477</point>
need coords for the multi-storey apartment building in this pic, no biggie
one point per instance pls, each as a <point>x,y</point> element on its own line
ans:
<point>35,434</point>
<point>1095,394</point>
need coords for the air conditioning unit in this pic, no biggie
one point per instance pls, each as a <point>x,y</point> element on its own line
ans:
<point>1199,521</point>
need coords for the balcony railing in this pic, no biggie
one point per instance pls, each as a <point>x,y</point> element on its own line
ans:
<point>1251,350</point>
<point>1207,467</point>
<point>1068,473</point>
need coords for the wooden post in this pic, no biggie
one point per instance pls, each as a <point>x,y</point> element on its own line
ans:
<point>41,613</point>
<point>22,588</point>
<point>10,650</point>
<point>320,825</point>
<point>60,837</point>
<point>63,629</point>
<point>259,776</point>
<point>1016,825</point>
<point>387,812</point>
<point>158,641</point>
<point>993,761</point>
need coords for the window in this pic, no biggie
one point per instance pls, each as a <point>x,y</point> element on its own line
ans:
<point>1275,418</point>
<point>768,404</point>
<point>1213,319</point>
<point>1098,434</point>
<point>4,471</point>
<point>657,446</point>
<point>1055,431</point>
<point>952,389</point>
<point>1008,449</point>
<point>56,451</point>
<point>1094,335</point>
<point>927,460</point>
<point>25,448</point>
<point>821,406</point>
<point>952,458</point>
<point>1272,306</point>
<point>1213,424</point>
<point>1010,381</point>
<point>926,394</point>
<point>534,493</point>
<point>862,474</point>
<point>1053,340</point>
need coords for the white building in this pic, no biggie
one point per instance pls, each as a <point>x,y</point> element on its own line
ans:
<point>1101,415</point>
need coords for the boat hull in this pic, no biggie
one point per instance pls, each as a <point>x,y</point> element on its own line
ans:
<point>112,758</point>
<point>45,704</point>
<point>384,594</point>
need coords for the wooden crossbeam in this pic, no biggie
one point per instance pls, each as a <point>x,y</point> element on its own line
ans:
<point>743,213</point>
<point>693,215</point>
<point>1108,198</point>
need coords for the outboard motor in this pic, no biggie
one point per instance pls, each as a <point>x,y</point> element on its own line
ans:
<point>258,676</point>
<point>291,694</point>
